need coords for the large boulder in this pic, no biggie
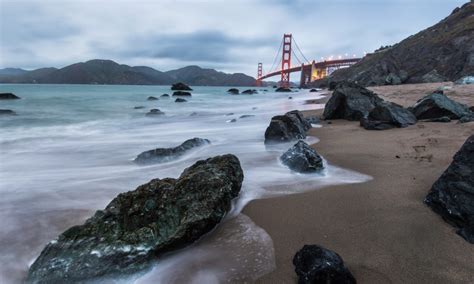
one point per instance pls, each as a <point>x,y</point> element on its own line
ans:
<point>8,96</point>
<point>438,105</point>
<point>288,127</point>
<point>386,115</point>
<point>350,101</point>
<point>181,94</point>
<point>180,87</point>
<point>315,264</point>
<point>163,155</point>
<point>452,195</point>
<point>140,226</point>
<point>302,158</point>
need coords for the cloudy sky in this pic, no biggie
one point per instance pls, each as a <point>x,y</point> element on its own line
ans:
<point>231,36</point>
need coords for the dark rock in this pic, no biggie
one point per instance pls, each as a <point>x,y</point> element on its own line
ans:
<point>290,98</point>
<point>180,100</point>
<point>163,155</point>
<point>229,114</point>
<point>246,115</point>
<point>151,98</point>
<point>438,119</point>
<point>350,101</point>
<point>313,90</point>
<point>180,87</point>
<point>139,107</point>
<point>302,158</point>
<point>283,90</point>
<point>7,112</point>
<point>254,108</point>
<point>452,195</point>
<point>193,114</point>
<point>466,118</point>
<point>385,114</point>
<point>392,79</point>
<point>181,94</point>
<point>154,112</point>
<point>438,105</point>
<point>438,91</point>
<point>249,92</point>
<point>315,264</point>
<point>467,80</point>
<point>313,119</point>
<point>471,109</point>
<point>8,96</point>
<point>288,127</point>
<point>164,96</point>
<point>274,87</point>
<point>433,77</point>
<point>139,226</point>
<point>233,120</point>
<point>233,91</point>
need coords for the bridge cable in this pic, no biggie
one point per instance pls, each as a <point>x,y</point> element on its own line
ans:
<point>296,44</point>
<point>274,60</point>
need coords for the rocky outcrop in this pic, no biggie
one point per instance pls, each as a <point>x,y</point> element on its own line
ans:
<point>180,100</point>
<point>7,112</point>
<point>233,91</point>
<point>8,96</point>
<point>438,105</point>
<point>350,101</point>
<point>387,115</point>
<point>283,90</point>
<point>302,158</point>
<point>154,112</point>
<point>315,264</point>
<point>139,226</point>
<point>181,94</point>
<point>288,127</point>
<point>452,195</point>
<point>180,87</point>
<point>442,52</point>
<point>249,92</point>
<point>152,98</point>
<point>163,155</point>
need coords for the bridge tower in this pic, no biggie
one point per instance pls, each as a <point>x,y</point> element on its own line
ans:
<point>286,61</point>
<point>259,74</point>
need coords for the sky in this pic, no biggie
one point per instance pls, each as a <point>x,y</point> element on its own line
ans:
<point>227,35</point>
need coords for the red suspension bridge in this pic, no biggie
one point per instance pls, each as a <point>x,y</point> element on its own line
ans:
<point>310,70</point>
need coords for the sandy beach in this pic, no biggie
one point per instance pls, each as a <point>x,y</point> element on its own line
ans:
<point>381,228</point>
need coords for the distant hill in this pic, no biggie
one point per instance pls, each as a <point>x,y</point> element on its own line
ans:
<point>443,52</point>
<point>100,71</point>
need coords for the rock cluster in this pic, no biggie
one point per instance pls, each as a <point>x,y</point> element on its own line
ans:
<point>288,127</point>
<point>163,155</point>
<point>139,226</point>
<point>452,195</point>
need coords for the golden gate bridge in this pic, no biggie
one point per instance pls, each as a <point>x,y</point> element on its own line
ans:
<point>310,70</point>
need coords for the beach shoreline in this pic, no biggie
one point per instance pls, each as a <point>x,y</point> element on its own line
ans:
<point>381,228</point>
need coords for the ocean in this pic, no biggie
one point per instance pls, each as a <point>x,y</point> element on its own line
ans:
<point>70,151</point>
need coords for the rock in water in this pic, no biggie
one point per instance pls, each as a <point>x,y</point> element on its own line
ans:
<point>139,226</point>
<point>163,155</point>
<point>180,100</point>
<point>313,90</point>
<point>233,91</point>
<point>154,112</point>
<point>288,127</point>
<point>181,94</point>
<point>283,90</point>
<point>439,105</point>
<point>315,264</point>
<point>164,96</point>
<point>8,96</point>
<point>350,101</point>
<point>152,98</point>
<point>302,158</point>
<point>7,112</point>
<point>180,87</point>
<point>386,115</point>
<point>249,92</point>
<point>452,195</point>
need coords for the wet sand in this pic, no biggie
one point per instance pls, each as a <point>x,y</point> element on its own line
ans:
<point>381,228</point>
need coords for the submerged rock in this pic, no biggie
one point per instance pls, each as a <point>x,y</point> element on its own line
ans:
<point>283,90</point>
<point>181,94</point>
<point>246,116</point>
<point>387,115</point>
<point>452,195</point>
<point>287,127</point>
<point>165,96</point>
<point>313,90</point>
<point>233,91</point>
<point>139,226</point>
<point>8,96</point>
<point>180,87</point>
<point>163,155</point>
<point>302,158</point>
<point>250,92</point>
<point>139,107</point>
<point>350,101</point>
<point>439,105</point>
<point>7,112</point>
<point>152,98</point>
<point>315,264</point>
<point>180,100</point>
<point>154,112</point>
